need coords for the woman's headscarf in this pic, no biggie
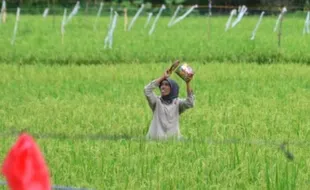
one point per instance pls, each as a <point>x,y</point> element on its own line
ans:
<point>174,91</point>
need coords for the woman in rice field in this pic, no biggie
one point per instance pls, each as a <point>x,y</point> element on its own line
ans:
<point>167,107</point>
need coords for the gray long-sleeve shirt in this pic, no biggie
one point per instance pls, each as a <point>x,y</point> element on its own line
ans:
<point>165,122</point>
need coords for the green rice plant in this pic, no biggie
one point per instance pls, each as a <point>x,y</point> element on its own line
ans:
<point>90,122</point>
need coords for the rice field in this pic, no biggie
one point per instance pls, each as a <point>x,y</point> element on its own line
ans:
<point>85,104</point>
<point>200,39</point>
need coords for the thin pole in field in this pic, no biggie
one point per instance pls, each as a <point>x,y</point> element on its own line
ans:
<point>87,5</point>
<point>125,19</point>
<point>53,11</point>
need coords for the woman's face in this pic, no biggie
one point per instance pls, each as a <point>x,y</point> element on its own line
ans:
<point>165,88</point>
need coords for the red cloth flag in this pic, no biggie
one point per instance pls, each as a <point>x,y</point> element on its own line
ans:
<point>24,167</point>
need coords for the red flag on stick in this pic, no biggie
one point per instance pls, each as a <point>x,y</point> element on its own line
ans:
<point>24,167</point>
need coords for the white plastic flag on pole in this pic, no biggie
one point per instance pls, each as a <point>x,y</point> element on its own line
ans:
<point>184,15</point>
<point>240,15</point>
<point>109,38</point>
<point>277,23</point>
<point>135,17</point>
<point>279,18</point>
<point>16,25</point>
<point>3,12</point>
<point>63,23</point>
<point>257,25</point>
<point>74,11</point>
<point>149,17</point>
<point>111,18</point>
<point>210,7</point>
<point>156,19</point>
<point>174,15</point>
<point>3,7</point>
<point>307,23</point>
<point>232,13</point>
<point>45,13</point>
<point>279,28</point>
<point>239,9</point>
<point>98,15</point>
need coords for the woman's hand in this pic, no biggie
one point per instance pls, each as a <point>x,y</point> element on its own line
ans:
<point>188,88</point>
<point>166,74</point>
